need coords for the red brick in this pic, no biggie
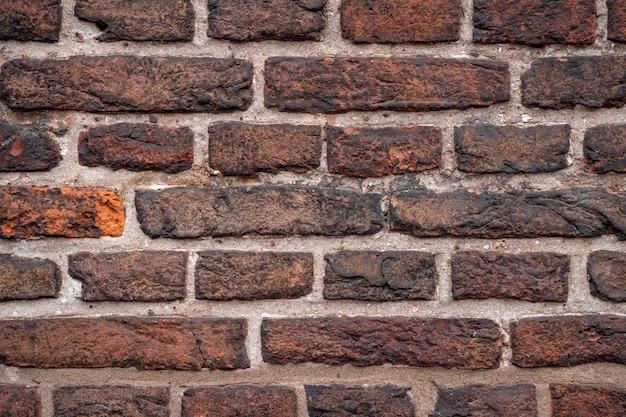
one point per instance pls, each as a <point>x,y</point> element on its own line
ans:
<point>617,20</point>
<point>607,275</point>
<point>485,401</point>
<point>376,152</point>
<point>568,340</point>
<point>30,20</point>
<point>367,341</point>
<point>342,401</point>
<point>605,149</point>
<point>27,148</point>
<point>334,85</point>
<point>96,401</point>
<point>239,400</point>
<point>28,278</point>
<point>19,401</point>
<point>569,400</point>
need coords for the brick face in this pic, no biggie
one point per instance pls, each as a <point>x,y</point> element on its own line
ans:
<point>481,401</point>
<point>606,271</point>
<point>19,401</point>
<point>605,149</point>
<point>342,401</point>
<point>27,148</point>
<point>238,400</point>
<point>28,278</point>
<point>30,20</point>
<point>587,400</point>
<point>617,20</point>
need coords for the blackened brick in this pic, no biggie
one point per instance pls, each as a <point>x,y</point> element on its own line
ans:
<point>127,401</point>
<point>27,148</point>
<point>30,20</point>
<point>342,401</point>
<point>617,20</point>
<point>605,149</point>
<point>607,275</point>
<point>28,278</point>
<point>239,400</point>
<point>484,401</point>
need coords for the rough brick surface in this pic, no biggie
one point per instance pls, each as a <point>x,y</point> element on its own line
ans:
<point>19,401</point>
<point>137,147</point>
<point>489,148</point>
<point>244,149</point>
<point>342,401</point>
<point>605,149</point>
<point>28,278</point>
<point>587,400</point>
<point>366,341</point>
<point>127,83</point>
<point>28,20</point>
<point>484,401</point>
<point>525,276</point>
<point>617,20</point>
<point>96,401</point>
<point>397,21</point>
<point>28,212</point>
<point>239,400</point>
<point>380,276</point>
<point>376,152</point>
<point>568,340</point>
<point>334,85</point>
<point>27,148</point>
<point>262,210</point>
<point>607,275</point>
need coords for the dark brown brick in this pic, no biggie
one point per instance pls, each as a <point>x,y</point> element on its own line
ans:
<point>335,85</point>
<point>605,149</point>
<point>28,212</point>
<point>139,20</point>
<point>587,400</point>
<point>397,21</point>
<point>535,22</point>
<point>524,276</point>
<point>367,341</point>
<point>380,276</point>
<point>617,20</point>
<point>484,401</point>
<point>30,20</point>
<point>607,275</point>
<point>376,152</point>
<point>18,401</point>
<point>27,148</point>
<point>253,275</point>
<point>244,149</point>
<point>489,148</point>
<point>137,147</point>
<point>28,278</point>
<point>127,83</point>
<point>261,210</point>
<point>96,401</point>
<point>130,276</point>
<point>568,340</point>
<point>250,20</point>
<point>342,401</point>
<point>124,342</point>
<point>572,212</point>
<point>239,400</point>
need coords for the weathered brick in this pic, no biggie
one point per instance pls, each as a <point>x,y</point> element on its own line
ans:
<point>617,20</point>
<point>28,278</point>
<point>130,276</point>
<point>334,85</point>
<point>607,275</point>
<point>605,149</point>
<point>251,20</point>
<point>485,401</point>
<point>27,148</point>
<point>30,20</point>
<point>124,342</point>
<point>570,400</point>
<point>489,148</point>
<point>380,276</point>
<point>253,275</point>
<point>564,82</point>
<point>127,83</point>
<point>366,341</point>
<point>137,147</point>
<point>572,212</point>
<point>19,401</point>
<point>244,149</point>
<point>525,276</point>
<point>397,21</point>
<point>376,152</point>
<point>261,210</point>
<point>139,20</point>
<point>342,401</point>
<point>239,400</point>
<point>96,401</point>
<point>535,22</point>
<point>28,212</point>
<point>568,340</point>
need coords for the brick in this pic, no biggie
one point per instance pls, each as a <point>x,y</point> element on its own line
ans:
<point>607,275</point>
<point>28,278</point>
<point>605,149</point>
<point>587,400</point>
<point>19,401</point>
<point>124,342</point>
<point>568,340</point>
<point>137,147</point>
<point>95,401</point>
<point>260,210</point>
<point>380,276</point>
<point>342,401</point>
<point>398,21</point>
<point>130,276</point>
<point>253,275</point>
<point>488,148</point>
<point>367,341</point>
<point>30,20</point>
<point>376,152</point>
<point>257,21</point>
<point>617,20</point>
<point>535,22</point>
<point>564,82</point>
<point>29,212</point>
<point>486,401</point>
<point>524,276</point>
<point>127,83</point>
<point>239,400</point>
<point>572,212</point>
<point>27,148</point>
<point>139,20</point>
<point>244,149</point>
<point>335,85</point>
